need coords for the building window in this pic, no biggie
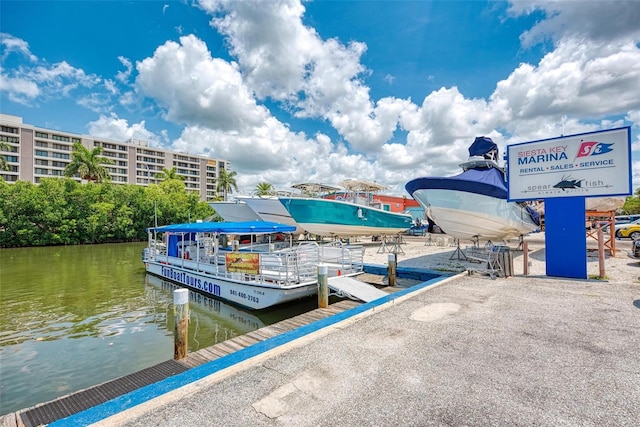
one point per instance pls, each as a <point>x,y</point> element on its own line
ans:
<point>59,164</point>
<point>59,155</point>
<point>75,140</point>
<point>42,153</point>
<point>42,135</point>
<point>41,162</point>
<point>42,144</point>
<point>11,139</point>
<point>11,150</point>
<point>60,138</point>
<point>8,129</point>
<point>40,171</point>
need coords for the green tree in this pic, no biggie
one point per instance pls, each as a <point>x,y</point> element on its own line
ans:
<point>65,212</point>
<point>3,162</point>
<point>226,182</point>
<point>168,174</point>
<point>632,204</point>
<point>88,163</point>
<point>264,189</point>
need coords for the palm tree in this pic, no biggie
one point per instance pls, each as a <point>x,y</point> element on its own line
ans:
<point>226,182</point>
<point>88,163</point>
<point>167,174</point>
<point>264,189</point>
<point>3,162</point>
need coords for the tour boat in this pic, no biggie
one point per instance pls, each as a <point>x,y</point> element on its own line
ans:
<point>256,277</point>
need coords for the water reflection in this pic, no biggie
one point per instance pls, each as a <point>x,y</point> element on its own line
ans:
<point>213,321</point>
<point>77,316</point>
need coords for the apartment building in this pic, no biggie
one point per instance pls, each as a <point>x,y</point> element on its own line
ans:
<point>35,153</point>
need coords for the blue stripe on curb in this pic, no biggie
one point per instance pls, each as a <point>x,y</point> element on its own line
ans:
<point>144,394</point>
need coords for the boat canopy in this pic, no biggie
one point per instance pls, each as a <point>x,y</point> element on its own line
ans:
<point>359,185</point>
<point>247,227</point>
<point>488,182</point>
<point>311,187</point>
<point>483,146</point>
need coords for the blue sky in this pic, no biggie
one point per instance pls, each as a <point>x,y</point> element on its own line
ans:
<point>322,91</point>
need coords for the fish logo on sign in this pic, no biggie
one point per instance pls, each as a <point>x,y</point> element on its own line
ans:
<point>567,183</point>
<point>593,148</point>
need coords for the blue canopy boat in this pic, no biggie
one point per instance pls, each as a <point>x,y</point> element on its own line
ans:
<point>256,277</point>
<point>473,205</point>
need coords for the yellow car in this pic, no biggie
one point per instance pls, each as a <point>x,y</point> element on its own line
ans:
<point>631,230</point>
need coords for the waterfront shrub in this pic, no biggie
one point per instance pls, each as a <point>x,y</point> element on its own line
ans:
<point>62,211</point>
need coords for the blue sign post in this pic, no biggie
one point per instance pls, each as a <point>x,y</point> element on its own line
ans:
<point>563,172</point>
<point>565,243</point>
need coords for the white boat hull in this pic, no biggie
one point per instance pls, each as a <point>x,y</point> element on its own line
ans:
<point>470,216</point>
<point>348,230</point>
<point>270,209</point>
<point>235,211</point>
<point>249,294</point>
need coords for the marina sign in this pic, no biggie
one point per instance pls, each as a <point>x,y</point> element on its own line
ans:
<point>584,165</point>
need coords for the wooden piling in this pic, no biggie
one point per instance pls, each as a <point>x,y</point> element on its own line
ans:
<point>391,270</point>
<point>181,324</point>
<point>323,286</point>
<point>525,257</point>
<point>601,252</point>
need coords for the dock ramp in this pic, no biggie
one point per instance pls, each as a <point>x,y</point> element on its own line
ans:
<point>354,289</point>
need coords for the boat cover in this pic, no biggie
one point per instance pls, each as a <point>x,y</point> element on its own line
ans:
<point>485,181</point>
<point>488,182</point>
<point>481,146</point>
<point>248,227</point>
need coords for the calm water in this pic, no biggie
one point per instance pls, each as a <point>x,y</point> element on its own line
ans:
<point>77,316</point>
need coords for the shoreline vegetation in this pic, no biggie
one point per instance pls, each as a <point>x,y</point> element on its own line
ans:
<point>62,211</point>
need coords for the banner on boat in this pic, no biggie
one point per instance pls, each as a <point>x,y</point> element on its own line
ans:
<point>248,263</point>
<point>585,165</point>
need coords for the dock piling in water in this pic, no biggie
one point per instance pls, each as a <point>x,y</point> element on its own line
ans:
<point>323,286</point>
<point>181,329</point>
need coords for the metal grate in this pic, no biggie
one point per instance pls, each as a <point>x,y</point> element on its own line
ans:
<point>88,398</point>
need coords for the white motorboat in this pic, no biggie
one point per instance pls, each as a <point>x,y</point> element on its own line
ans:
<point>473,205</point>
<point>235,211</point>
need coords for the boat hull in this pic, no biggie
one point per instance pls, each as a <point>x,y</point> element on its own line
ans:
<point>326,217</point>
<point>235,211</point>
<point>245,293</point>
<point>471,216</point>
<point>270,209</point>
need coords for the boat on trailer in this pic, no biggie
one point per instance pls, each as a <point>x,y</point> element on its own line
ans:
<point>256,276</point>
<point>473,204</point>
